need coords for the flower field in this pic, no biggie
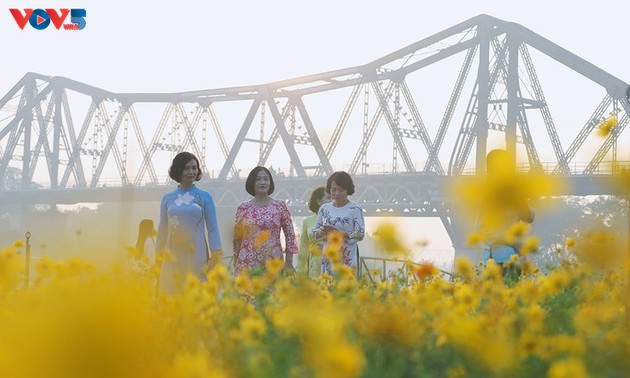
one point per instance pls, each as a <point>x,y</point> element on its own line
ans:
<point>79,321</point>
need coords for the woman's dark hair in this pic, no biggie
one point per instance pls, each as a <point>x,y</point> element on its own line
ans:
<point>251,181</point>
<point>317,195</point>
<point>343,180</point>
<point>179,162</point>
<point>145,230</point>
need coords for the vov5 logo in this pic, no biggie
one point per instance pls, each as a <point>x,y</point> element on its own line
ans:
<point>40,19</point>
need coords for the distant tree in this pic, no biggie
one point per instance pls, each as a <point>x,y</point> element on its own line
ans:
<point>560,219</point>
<point>12,180</point>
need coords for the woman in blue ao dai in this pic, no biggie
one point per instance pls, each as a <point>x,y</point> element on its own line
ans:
<point>186,214</point>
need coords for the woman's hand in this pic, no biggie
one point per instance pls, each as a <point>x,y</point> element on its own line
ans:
<point>288,264</point>
<point>326,229</point>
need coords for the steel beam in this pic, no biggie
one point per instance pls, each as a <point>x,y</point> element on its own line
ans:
<point>238,142</point>
<point>513,101</point>
<point>483,95</point>
<point>314,139</point>
<point>284,134</point>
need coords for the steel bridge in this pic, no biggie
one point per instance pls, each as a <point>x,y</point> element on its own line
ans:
<point>63,141</point>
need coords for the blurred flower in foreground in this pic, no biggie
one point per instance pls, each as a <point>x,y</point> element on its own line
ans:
<point>425,270</point>
<point>10,268</point>
<point>388,239</point>
<point>474,238</point>
<point>274,266</point>
<point>464,268</point>
<point>497,201</point>
<point>335,239</point>
<point>607,126</point>
<point>195,365</point>
<point>569,368</point>
<point>79,321</point>
<point>134,252</point>
<point>600,248</point>
<point>261,238</point>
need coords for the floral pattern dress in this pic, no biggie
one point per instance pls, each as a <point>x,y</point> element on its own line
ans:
<point>185,217</point>
<point>348,219</point>
<point>257,234</point>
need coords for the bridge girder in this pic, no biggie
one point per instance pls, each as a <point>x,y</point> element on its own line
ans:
<point>43,123</point>
<point>39,139</point>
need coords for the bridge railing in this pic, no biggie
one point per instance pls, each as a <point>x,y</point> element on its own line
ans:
<point>387,269</point>
<point>384,269</point>
<point>575,168</point>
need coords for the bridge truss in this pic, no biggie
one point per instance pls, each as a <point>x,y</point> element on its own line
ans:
<point>64,134</point>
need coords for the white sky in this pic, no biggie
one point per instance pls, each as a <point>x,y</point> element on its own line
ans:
<point>170,46</point>
<point>163,46</point>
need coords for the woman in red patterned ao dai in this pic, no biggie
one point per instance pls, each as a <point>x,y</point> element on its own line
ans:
<point>258,224</point>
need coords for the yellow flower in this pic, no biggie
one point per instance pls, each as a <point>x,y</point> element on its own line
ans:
<point>335,239</point>
<point>516,232</point>
<point>241,229</point>
<point>241,283</point>
<point>274,266</point>
<point>528,268</point>
<point>529,345</point>
<point>561,344</point>
<point>134,252</point>
<point>389,240</point>
<point>339,360</point>
<point>474,238</point>
<point>529,246</point>
<point>192,365</point>
<point>492,272</point>
<point>165,257</point>
<point>491,346</point>
<point>10,269</point>
<point>258,285</point>
<point>600,248</point>
<point>533,317</point>
<point>315,250</point>
<point>569,243</point>
<point>261,238</point>
<point>605,128</point>
<point>572,367</point>
<point>18,243</point>
<point>44,267</point>
<point>389,324</point>
<point>252,328</point>
<point>465,296</point>
<point>218,274</point>
<point>464,268</point>
<point>333,254</point>
<point>345,272</point>
<point>425,270</point>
